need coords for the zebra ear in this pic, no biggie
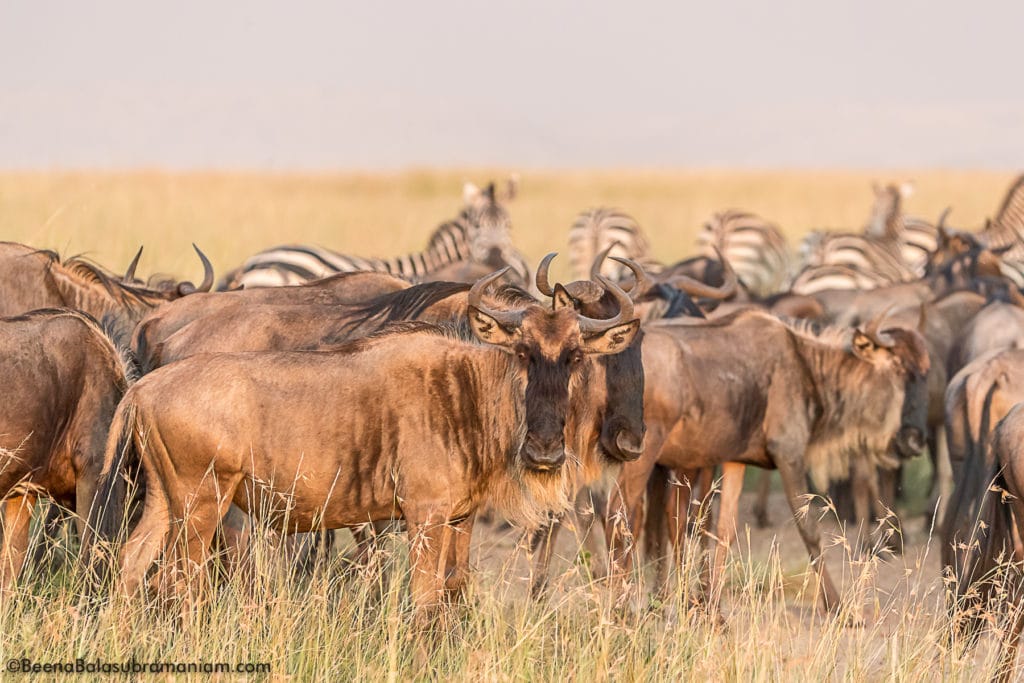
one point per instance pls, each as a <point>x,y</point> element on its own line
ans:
<point>470,194</point>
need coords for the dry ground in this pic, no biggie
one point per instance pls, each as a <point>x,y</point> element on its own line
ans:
<point>330,626</point>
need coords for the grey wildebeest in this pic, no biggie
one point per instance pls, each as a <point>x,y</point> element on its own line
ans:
<point>64,378</point>
<point>754,389</point>
<point>443,423</point>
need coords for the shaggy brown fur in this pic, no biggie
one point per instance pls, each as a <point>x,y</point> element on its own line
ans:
<point>31,279</point>
<point>442,424</point>
<point>63,379</point>
<point>753,389</point>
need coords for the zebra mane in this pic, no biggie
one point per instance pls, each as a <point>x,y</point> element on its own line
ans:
<point>1011,211</point>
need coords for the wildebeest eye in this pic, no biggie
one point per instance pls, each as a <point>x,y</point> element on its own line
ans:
<point>574,357</point>
<point>522,353</point>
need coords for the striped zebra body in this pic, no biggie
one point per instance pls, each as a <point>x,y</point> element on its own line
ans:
<point>595,230</point>
<point>481,234</point>
<point>893,248</point>
<point>1007,229</point>
<point>846,261</point>
<point>755,249</point>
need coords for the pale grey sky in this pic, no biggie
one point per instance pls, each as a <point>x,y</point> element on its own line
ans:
<point>370,85</point>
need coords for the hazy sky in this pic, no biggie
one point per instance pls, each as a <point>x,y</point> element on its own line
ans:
<point>317,85</point>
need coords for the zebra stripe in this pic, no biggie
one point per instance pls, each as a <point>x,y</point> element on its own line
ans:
<point>481,233</point>
<point>755,248</point>
<point>597,229</point>
<point>1008,226</point>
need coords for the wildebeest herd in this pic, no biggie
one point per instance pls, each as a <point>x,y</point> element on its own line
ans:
<point>315,391</point>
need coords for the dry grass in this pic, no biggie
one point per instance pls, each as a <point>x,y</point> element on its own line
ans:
<point>233,215</point>
<point>330,626</point>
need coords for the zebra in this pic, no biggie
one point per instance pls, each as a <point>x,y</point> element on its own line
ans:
<point>480,234</point>
<point>1007,228</point>
<point>893,248</point>
<point>602,228</point>
<point>755,248</point>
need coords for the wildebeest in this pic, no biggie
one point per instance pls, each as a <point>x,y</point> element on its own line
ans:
<point>63,378</point>
<point>980,395</point>
<point>1006,522</point>
<point>33,279</point>
<point>443,423</point>
<point>617,433</point>
<point>342,289</point>
<point>754,389</point>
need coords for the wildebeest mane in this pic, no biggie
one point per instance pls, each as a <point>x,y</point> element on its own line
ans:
<point>405,304</point>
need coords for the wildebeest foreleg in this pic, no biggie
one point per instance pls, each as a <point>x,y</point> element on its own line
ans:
<point>17,515</point>
<point>457,565</point>
<point>430,539</point>
<point>794,484</point>
<point>542,544</point>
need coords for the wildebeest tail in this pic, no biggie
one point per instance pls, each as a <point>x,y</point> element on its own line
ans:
<point>107,516</point>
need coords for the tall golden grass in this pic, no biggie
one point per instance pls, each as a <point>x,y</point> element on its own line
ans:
<point>231,216</point>
<point>333,625</point>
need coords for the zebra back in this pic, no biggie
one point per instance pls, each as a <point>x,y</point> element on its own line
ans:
<point>481,234</point>
<point>597,229</point>
<point>754,247</point>
<point>1008,226</point>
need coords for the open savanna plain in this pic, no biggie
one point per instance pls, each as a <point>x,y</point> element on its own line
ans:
<point>334,625</point>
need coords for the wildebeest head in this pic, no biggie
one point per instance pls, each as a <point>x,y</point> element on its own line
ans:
<point>551,349</point>
<point>900,353</point>
<point>621,391</point>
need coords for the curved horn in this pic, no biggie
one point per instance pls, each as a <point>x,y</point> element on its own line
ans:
<point>207,282</point>
<point>874,328</point>
<point>642,281</point>
<point>476,292</point>
<point>541,279</point>
<point>941,225</point>
<point>595,267</point>
<point>592,325</point>
<point>697,288</point>
<point>129,275</point>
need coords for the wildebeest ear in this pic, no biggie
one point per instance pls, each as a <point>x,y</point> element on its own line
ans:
<point>488,330</point>
<point>863,346</point>
<point>612,340</point>
<point>561,299</point>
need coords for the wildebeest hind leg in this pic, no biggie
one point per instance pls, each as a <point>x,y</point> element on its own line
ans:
<point>17,514</point>
<point>728,511</point>
<point>206,506</point>
<point>147,541</point>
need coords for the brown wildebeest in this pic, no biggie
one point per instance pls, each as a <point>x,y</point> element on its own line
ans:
<point>442,424</point>
<point>344,288</point>
<point>31,279</point>
<point>616,435</point>
<point>980,395</point>
<point>63,377</point>
<point>1001,541</point>
<point>753,389</point>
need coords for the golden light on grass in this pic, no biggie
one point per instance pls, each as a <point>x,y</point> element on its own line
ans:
<point>332,625</point>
